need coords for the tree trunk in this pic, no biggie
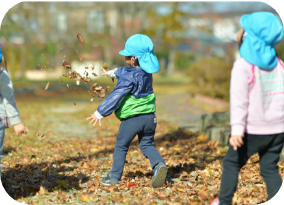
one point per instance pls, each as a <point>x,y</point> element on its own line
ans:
<point>171,64</point>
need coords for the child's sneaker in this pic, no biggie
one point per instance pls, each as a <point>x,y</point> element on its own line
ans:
<point>215,202</point>
<point>160,173</point>
<point>109,180</point>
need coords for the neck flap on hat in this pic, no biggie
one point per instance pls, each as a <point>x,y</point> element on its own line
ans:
<point>264,31</point>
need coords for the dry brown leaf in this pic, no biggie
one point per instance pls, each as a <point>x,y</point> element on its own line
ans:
<point>105,66</point>
<point>42,191</point>
<point>181,190</point>
<point>96,183</point>
<point>80,38</point>
<point>66,65</point>
<point>94,74</point>
<point>85,198</point>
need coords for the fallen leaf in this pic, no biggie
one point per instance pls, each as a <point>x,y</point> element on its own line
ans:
<point>131,185</point>
<point>208,173</point>
<point>86,67</point>
<point>80,38</point>
<point>94,74</point>
<point>181,190</point>
<point>74,103</point>
<point>62,183</point>
<point>194,202</point>
<point>85,198</point>
<point>42,191</point>
<point>96,183</point>
<point>47,86</point>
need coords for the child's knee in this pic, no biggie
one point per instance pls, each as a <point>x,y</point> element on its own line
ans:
<point>267,169</point>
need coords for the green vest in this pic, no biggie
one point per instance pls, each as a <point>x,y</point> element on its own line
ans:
<point>131,106</point>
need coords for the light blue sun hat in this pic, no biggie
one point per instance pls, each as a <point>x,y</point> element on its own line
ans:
<point>263,31</point>
<point>142,47</point>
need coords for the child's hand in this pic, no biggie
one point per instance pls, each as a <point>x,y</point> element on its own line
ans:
<point>236,141</point>
<point>94,118</point>
<point>20,129</point>
<point>105,71</point>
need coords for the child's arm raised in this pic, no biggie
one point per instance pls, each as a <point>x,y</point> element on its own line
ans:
<point>109,73</point>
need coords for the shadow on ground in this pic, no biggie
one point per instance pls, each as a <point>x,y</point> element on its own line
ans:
<point>23,181</point>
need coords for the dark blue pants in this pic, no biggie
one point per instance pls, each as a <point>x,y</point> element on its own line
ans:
<point>143,125</point>
<point>269,148</point>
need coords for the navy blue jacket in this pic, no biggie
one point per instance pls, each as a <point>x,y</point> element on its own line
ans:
<point>130,80</point>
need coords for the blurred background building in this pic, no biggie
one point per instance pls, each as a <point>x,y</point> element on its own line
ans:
<point>39,36</point>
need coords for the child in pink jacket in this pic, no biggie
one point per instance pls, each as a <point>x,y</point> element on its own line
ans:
<point>257,105</point>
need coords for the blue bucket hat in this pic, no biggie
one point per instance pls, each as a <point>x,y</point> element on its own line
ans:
<point>142,47</point>
<point>264,30</point>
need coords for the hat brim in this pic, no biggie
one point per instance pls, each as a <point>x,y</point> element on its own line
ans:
<point>124,53</point>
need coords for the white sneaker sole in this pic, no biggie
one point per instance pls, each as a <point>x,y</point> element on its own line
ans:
<point>160,178</point>
<point>105,184</point>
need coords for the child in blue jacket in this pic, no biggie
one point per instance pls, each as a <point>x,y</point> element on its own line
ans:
<point>133,102</point>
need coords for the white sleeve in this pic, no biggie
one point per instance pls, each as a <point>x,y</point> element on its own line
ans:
<point>111,73</point>
<point>98,115</point>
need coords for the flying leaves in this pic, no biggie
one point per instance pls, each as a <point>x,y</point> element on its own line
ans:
<point>66,65</point>
<point>80,38</point>
<point>105,66</point>
<point>97,91</point>
<point>47,86</point>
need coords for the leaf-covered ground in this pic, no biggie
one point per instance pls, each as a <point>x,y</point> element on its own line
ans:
<point>63,158</point>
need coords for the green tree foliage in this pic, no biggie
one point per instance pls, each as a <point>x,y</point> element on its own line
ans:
<point>210,76</point>
<point>183,60</point>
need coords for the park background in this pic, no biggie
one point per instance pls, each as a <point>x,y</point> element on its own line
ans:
<point>65,157</point>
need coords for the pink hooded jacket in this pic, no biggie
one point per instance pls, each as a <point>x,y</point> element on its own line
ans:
<point>256,99</point>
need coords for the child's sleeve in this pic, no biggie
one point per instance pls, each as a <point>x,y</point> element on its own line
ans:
<point>238,99</point>
<point>7,94</point>
<point>113,100</point>
<point>112,73</point>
